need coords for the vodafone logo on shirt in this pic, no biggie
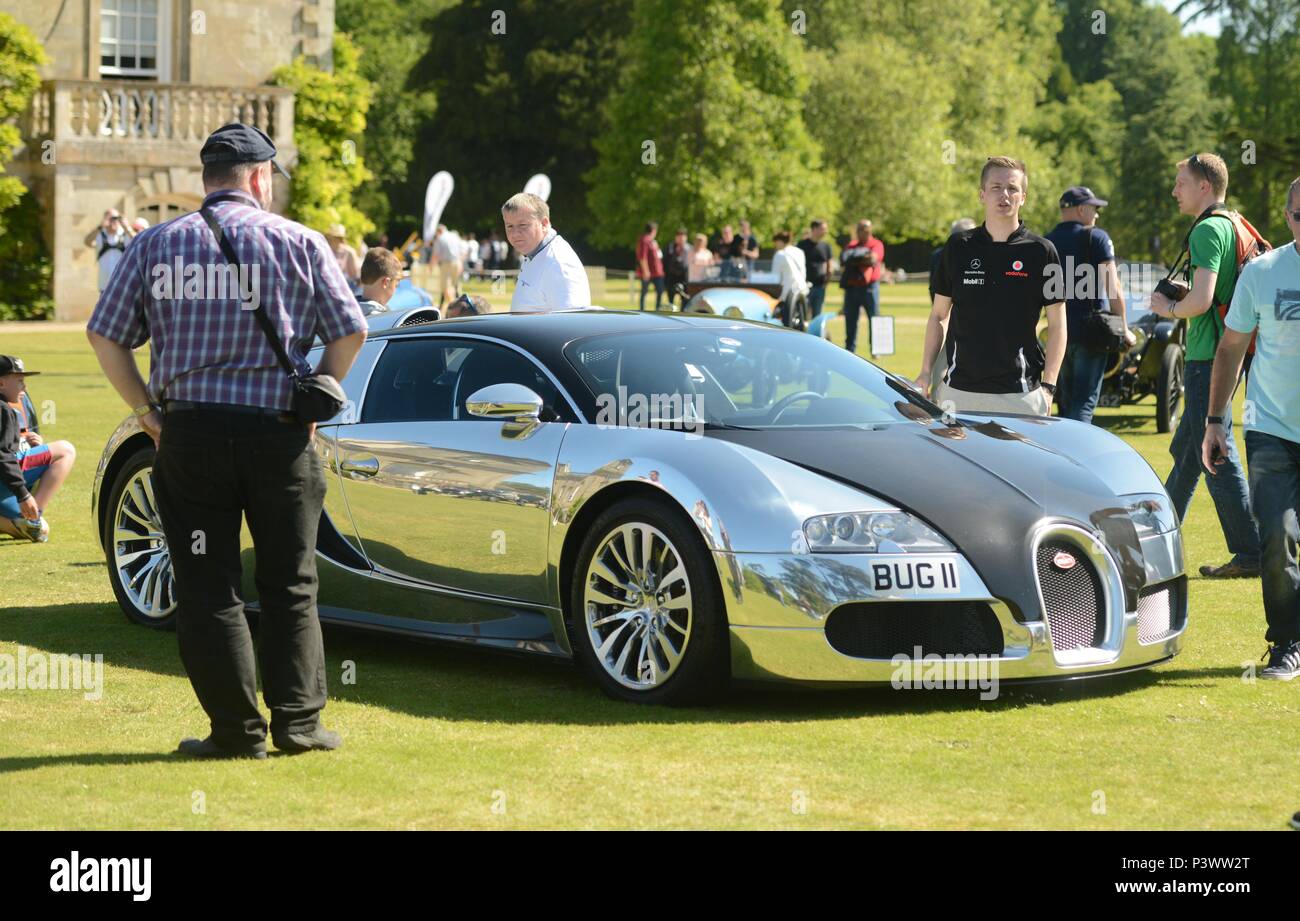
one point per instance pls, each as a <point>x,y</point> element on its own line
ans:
<point>1017,270</point>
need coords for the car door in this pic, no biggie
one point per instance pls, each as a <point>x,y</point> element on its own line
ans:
<point>443,499</point>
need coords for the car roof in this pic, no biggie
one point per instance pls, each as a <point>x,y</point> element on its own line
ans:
<point>544,333</point>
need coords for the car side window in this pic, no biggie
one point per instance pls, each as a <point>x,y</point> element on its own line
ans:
<point>430,379</point>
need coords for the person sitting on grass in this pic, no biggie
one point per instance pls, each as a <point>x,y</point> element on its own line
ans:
<point>26,462</point>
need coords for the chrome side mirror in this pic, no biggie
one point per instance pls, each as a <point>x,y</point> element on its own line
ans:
<point>506,402</point>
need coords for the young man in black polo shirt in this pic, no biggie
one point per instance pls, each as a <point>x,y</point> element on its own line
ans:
<point>994,282</point>
<point>817,254</point>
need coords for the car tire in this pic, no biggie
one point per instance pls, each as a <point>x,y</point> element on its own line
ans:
<point>139,567</point>
<point>654,619</point>
<point>1169,389</point>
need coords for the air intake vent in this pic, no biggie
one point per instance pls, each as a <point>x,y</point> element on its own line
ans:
<point>884,629</point>
<point>1162,610</point>
<point>417,317</point>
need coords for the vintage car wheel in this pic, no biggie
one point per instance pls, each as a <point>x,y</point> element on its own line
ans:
<point>798,318</point>
<point>1169,389</point>
<point>139,563</point>
<point>646,619</point>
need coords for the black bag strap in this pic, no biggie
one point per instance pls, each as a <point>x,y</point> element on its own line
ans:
<point>263,320</point>
<point>1186,252</point>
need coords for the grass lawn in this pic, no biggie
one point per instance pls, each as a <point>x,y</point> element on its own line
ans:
<point>441,737</point>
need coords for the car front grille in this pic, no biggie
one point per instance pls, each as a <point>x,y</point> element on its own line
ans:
<point>885,629</point>
<point>1162,610</point>
<point>1073,600</point>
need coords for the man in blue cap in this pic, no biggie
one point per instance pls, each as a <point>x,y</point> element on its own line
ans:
<point>1091,286</point>
<point>217,405</point>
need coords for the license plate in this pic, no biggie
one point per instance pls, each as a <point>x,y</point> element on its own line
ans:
<point>923,576</point>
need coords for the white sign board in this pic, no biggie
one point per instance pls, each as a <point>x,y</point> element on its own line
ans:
<point>882,335</point>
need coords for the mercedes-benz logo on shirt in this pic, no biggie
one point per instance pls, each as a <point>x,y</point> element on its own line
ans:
<point>974,263</point>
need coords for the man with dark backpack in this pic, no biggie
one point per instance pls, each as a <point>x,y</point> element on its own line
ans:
<point>1216,247</point>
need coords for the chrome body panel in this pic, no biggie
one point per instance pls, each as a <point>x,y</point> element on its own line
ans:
<point>462,505</point>
<point>128,427</point>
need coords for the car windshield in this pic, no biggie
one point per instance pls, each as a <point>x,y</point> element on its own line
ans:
<point>739,377</point>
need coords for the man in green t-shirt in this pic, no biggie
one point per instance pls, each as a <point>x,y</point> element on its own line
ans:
<point>1201,183</point>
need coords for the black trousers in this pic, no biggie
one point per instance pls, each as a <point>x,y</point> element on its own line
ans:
<point>214,468</point>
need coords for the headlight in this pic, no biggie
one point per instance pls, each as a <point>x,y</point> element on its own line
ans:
<point>872,532</point>
<point>1151,513</point>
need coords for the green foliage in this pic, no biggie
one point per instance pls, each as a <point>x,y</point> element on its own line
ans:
<point>719,94</point>
<point>25,273</point>
<point>512,103</point>
<point>1258,54</point>
<point>329,123</point>
<point>1168,113</point>
<point>391,35</point>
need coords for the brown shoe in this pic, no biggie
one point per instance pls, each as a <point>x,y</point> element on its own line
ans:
<point>1229,570</point>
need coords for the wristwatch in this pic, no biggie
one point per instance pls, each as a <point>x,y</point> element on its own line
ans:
<point>1214,420</point>
<point>1050,388</point>
<point>143,410</point>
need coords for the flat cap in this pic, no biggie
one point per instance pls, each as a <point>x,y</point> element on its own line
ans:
<point>240,143</point>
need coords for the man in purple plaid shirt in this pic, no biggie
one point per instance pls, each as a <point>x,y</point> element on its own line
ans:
<point>216,405</point>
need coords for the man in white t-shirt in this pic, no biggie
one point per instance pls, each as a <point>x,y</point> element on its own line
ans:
<point>448,251</point>
<point>109,240</point>
<point>791,266</point>
<point>551,276</point>
<point>1266,305</point>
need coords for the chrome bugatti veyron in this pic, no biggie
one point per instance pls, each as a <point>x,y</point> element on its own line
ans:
<point>675,501</point>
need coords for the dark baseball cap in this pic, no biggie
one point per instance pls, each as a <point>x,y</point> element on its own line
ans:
<point>1077,195</point>
<point>240,143</point>
<point>11,365</point>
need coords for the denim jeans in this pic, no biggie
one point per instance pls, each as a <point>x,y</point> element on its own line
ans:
<point>1275,496</point>
<point>212,470</point>
<point>1228,486</point>
<point>658,283</point>
<point>816,298</point>
<point>1081,375</point>
<point>855,299</point>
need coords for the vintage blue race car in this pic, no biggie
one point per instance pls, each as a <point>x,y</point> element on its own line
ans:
<point>676,500</point>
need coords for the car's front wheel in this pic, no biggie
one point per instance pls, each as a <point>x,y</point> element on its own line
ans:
<point>646,619</point>
<point>139,562</point>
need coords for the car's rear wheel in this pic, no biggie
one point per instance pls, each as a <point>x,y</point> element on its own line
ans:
<point>1169,389</point>
<point>646,618</point>
<point>139,562</point>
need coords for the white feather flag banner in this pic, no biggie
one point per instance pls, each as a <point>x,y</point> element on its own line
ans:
<point>539,185</point>
<point>435,199</point>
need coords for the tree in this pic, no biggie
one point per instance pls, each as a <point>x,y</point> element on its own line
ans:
<point>521,86</point>
<point>391,35</point>
<point>329,121</point>
<point>25,272</point>
<point>706,125</point>
<point>1258,51</point>
<point>1168,113</point>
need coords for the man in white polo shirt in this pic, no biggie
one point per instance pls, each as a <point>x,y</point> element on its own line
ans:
<point>1266,303</point>
<point>551,276</point>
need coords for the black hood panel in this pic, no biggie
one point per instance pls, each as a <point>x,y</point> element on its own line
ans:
<point>982,486</point>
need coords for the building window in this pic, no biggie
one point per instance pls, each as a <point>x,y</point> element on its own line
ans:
<point>131,38</point>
